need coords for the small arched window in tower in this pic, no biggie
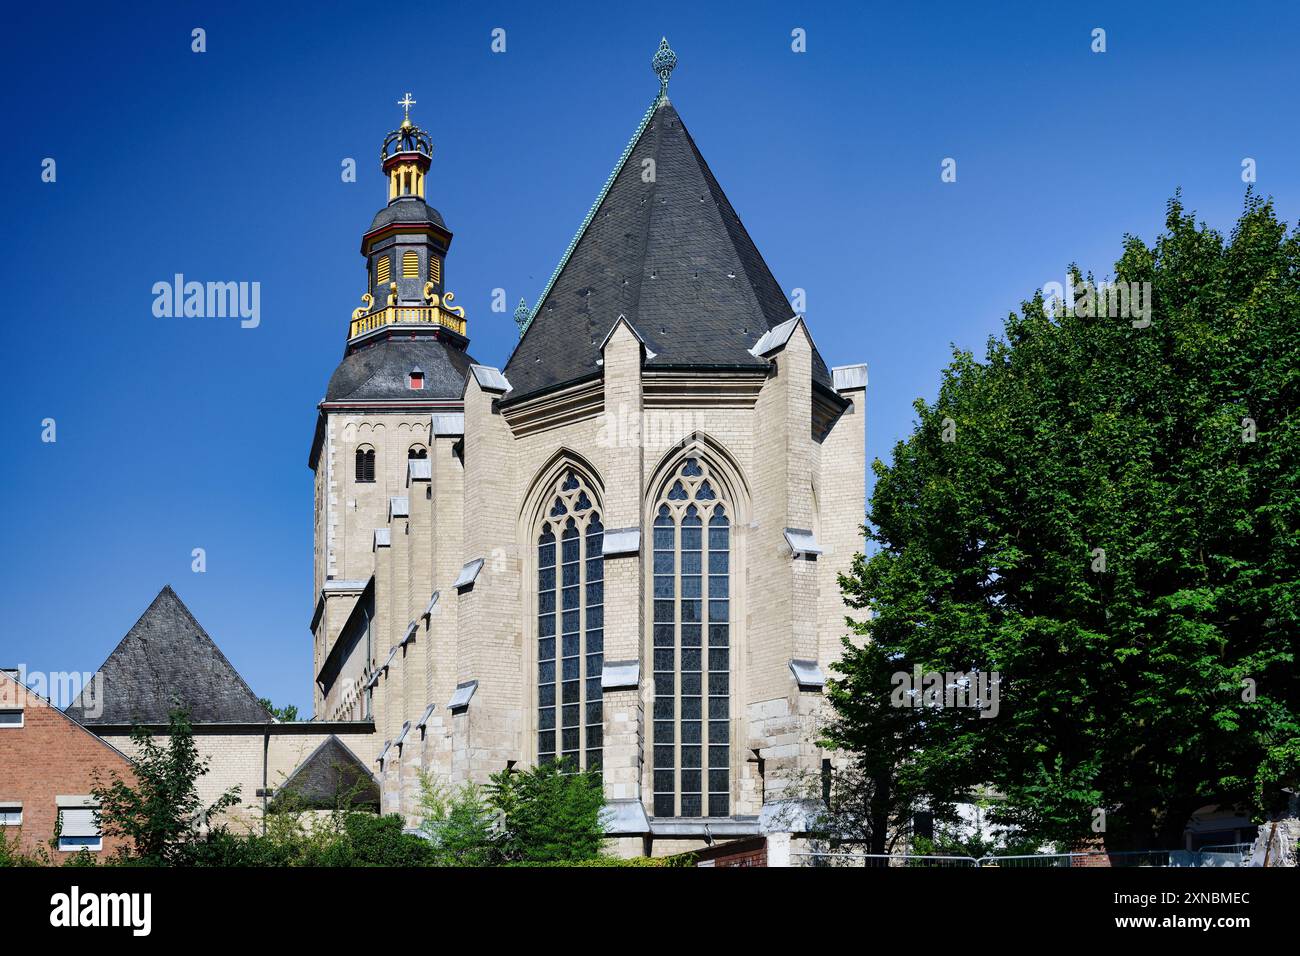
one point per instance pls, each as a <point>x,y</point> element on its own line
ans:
<point>415,381</point>
<point>383,270</point>
<point>365,464</point>
<point>417,453</point>
<point>410,265</point>
<point>435,269</point>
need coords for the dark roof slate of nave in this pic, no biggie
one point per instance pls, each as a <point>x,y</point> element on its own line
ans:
<point>673,257</point>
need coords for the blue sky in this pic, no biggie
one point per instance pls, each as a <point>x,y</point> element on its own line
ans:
<point>175,433</point>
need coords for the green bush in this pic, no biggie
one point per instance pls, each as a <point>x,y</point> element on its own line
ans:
<point>341,840</point>
<point>548,814</point>
<point>651,862</point>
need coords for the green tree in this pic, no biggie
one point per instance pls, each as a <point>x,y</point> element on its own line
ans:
<point>287,713</point>
<point>548,813</point>
<point>459,824</point>
<point>871,802</point>
<point>160,811</point>
<point>1105,512</point>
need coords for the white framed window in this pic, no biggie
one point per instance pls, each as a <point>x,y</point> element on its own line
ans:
<point>79,829</point>
<point>11,814</point>
<point>11,717</point>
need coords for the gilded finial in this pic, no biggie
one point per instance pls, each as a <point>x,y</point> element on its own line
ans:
<point>521,315</point>
<point>664,61</point>
<point>406,103</point>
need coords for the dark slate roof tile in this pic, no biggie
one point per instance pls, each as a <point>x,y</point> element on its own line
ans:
<point>673,257</point>
<point>168,659</point>
<point>406,209</point>
<point>332,775</point>
<point>378,370</point>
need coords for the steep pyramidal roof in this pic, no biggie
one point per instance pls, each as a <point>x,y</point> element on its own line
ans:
<point>672,256</point>
<point>332,775</point>
<point>167,658</point>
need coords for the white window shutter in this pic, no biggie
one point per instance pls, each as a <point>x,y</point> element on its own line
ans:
<point>78,823</point>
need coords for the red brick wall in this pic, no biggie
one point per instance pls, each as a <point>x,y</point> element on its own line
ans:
<point>50,755</point>
<point>751,851</point>
<point>751,858</point>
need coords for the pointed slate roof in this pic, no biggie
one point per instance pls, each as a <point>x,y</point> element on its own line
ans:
<point>167,657</point>
<point>331,773</point>
<point>672,256</point>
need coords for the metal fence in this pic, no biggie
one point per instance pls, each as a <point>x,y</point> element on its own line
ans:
<point>1090,858</point>
<point>1224,854</point>
<point>1235,854</point>
<point>849,858</point>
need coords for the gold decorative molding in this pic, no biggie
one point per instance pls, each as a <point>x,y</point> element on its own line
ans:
<point>405,315</point>
<point>457,310</point>
<point>368,302</point>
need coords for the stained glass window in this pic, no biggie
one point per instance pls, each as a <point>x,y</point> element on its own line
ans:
<point>691,721</point>
<point>570,627</point>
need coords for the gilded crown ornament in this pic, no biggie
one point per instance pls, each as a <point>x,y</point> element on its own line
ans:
<point>407,138</point>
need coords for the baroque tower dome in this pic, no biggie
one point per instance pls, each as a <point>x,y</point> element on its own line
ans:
<point>408,321</point>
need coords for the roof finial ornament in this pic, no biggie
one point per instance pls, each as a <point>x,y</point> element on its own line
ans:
<point>664,61</point>
<point>406,103</point>
<point>521,315</point>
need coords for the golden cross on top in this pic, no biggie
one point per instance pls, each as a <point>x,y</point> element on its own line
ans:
<point>406,103</point>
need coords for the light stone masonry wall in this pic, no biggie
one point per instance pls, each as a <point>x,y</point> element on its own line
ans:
<point>484,502</point>
<point>249,756</point>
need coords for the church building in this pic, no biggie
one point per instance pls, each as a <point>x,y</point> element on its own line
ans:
<point>619,549</point>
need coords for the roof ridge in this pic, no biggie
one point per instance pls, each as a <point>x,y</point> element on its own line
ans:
<point>739,237</point>
<point>78,705</point>
<point>344,763</point>
<point>659,100</point>
<point>62,712</point>
<point>220,653</point>
<point>118,646</point>
<point>668,250</point>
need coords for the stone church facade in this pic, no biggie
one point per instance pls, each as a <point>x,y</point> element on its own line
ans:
<point>621,548</point>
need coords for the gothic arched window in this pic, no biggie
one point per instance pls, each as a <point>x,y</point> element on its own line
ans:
<point>365,463</point>
<point>692,647</point>
<point>570,627</point>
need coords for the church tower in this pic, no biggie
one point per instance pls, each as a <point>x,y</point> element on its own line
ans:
<point>619,550</point>
<point>404,361</point>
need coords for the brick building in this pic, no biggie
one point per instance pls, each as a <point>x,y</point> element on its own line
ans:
<point>48,765</point>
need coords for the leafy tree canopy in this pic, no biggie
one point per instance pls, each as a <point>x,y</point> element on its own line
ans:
<point>161,811</point>
<point>1106,513</point>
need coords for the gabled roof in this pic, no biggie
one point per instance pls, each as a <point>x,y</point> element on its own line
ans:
<point>670,255</point>
<point>168,659</point>
<point>333,774</point>
<point>13,693</point>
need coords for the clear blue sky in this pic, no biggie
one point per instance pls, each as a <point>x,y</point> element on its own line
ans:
<point>182,433</point>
